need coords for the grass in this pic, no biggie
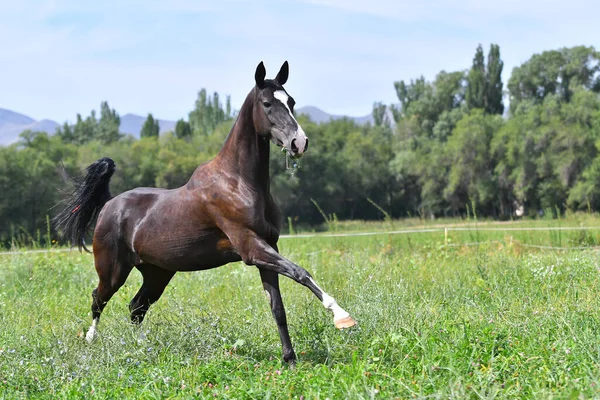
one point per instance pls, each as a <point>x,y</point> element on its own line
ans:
<point>491,321</point>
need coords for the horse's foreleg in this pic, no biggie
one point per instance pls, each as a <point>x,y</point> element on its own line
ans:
<point>256,251</point>
<point>270,281</point>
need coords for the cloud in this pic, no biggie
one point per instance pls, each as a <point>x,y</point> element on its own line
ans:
<point>452,11</point>
<point>64,57</point>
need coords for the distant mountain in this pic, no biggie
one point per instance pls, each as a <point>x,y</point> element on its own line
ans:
<point>13,123</point>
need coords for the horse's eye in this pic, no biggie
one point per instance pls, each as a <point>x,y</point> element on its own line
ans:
<point>266,104</point>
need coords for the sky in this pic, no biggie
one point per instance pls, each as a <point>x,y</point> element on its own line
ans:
<point>60,58</point>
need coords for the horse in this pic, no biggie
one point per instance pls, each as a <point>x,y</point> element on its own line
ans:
<point>224,213</point>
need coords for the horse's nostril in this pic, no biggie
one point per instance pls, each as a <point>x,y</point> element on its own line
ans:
<point>305,145</point>
<point>294,147</point>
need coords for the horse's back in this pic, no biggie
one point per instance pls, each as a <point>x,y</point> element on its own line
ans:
<point>132,204</point>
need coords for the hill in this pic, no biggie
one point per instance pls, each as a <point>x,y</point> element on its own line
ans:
<point>13,123</point>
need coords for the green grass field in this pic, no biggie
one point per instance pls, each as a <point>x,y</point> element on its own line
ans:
<point>498,320</point>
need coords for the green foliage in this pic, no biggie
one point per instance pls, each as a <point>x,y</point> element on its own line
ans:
<point>183,129</point>
<point>105,130</point>
<point>477,86</point>
<point>426,101</point>
<point>543,152</point>
<point>555,72</point>
<point>208,113</point>
<point>484,84</point>
<point>151,127</point>
<point>379,115</point>
<point>449,151</point>
<point>471,176</point>
<point>108,126</point>
<point>430,110</point>
<point>494,91</point>
<point>30,175</point>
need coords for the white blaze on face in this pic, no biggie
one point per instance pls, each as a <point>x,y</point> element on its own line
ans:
<point>283,97</point>
<point>330,304</point>
<point>300,136</point>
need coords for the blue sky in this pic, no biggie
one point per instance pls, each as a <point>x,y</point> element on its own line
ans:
<point>60,58</point>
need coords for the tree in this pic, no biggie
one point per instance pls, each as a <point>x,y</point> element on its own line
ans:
<point>108,125</point>
<point>476,82</point>
<point>105,130</point>
<point>183,129</point>
<point>586,192</point>
<point>494,94</point>
<point>484,84</point>
<point>30,174</point>
<point>228,112</point>
<point>426,101</point>
<point>66,133</point>
<point>208,113</point>
<point>471,175</point>
<point>380,117</point>
<point>150,127</point>
<point>427,115</point>
<point>85,130</point>
<point>557,72</point>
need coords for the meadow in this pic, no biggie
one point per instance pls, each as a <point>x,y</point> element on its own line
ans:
<point>477,314</point>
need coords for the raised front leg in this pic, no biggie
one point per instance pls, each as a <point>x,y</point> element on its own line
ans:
<point>255,251</point>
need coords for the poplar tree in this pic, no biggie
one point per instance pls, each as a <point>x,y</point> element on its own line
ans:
<point>150,128</point>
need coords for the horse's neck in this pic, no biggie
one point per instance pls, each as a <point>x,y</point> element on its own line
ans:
<point>246,153</point>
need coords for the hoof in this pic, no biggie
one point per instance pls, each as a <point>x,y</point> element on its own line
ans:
<point>291,364</point>
<point>89,337</point>
<point>344,323</point>
<point>290,358</point>
<point>92,331</point>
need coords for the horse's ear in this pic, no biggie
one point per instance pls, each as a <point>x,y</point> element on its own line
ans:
<point>259,75</point>
<point>282,76</point>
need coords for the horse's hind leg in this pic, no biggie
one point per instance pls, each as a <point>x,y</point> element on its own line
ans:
<point>270,281</point>
<point>113,272</point>
<point>156,280</point>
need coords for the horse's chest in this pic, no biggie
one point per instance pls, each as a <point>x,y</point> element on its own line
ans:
<point>266,230</point>
<point>259,216</point>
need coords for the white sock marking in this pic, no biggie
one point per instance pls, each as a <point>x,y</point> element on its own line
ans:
<point>330,304</point>
<point>92,331</point>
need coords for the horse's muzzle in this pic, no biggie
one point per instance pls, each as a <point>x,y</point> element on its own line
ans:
<point>299,145</point>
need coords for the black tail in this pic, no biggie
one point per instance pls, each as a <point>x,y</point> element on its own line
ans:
<point>85,202</point>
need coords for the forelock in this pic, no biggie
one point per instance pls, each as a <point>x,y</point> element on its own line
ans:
<point>272,84</point>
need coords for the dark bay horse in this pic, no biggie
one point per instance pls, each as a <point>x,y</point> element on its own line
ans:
<point>224,213</point>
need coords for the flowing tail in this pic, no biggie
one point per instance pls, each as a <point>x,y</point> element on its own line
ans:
<point>85,202</point>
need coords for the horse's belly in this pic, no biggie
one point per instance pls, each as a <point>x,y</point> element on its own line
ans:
<point>187,252</point>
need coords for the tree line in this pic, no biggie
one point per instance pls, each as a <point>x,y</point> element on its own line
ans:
<point>453,146</point>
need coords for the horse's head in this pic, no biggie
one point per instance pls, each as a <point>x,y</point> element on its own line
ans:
<point>274,112</point>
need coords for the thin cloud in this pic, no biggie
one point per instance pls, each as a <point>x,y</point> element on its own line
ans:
<point>64,57</point>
